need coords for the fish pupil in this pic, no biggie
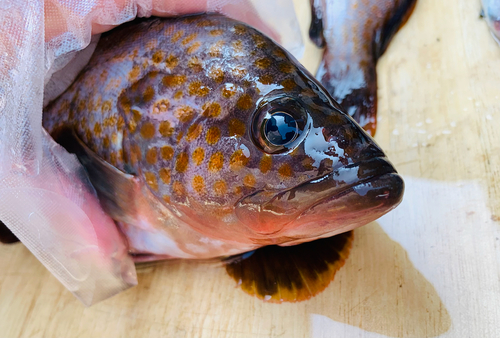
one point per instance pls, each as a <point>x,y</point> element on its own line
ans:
<point>281,128</point>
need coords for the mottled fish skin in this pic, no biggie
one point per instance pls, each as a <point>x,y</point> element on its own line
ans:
<point>175,106</point>
<point>356,34</point>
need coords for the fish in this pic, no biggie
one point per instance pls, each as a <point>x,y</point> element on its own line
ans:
<point>206,139</point>
<point>355,34</point>
<point>491,11</point>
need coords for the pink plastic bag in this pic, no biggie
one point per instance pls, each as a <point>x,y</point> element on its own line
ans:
<point>46,199</point>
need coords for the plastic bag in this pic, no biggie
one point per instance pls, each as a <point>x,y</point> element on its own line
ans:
<point>46,199</point>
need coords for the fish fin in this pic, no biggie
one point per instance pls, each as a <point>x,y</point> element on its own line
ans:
<point>316,27</point>
<point>6,236</point>
<point>292,273</point>
<point>116,189</point>
<point>360,102</point>
<point>396,18</point>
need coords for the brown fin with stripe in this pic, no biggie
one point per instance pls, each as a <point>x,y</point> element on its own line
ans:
<point>292,273</point>
<point>316,27</point>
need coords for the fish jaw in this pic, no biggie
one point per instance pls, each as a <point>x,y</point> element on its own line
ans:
<point>336,202</point>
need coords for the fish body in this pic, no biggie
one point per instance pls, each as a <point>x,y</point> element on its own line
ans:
<point>204,138</point>
<point>355,34</point>
<point>491,11</point>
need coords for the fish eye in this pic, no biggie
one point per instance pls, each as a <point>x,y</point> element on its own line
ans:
<point>278,125</point>
<point>280,129</point>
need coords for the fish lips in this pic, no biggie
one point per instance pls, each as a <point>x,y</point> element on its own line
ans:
<point>338,201</point>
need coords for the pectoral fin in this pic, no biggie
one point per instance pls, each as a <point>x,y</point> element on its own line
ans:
<point>290,274</point>
<point>116,190</point>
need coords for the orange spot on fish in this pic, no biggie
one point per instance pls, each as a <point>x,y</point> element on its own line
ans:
<point>189,38</point>
<point>228,90</point>
<point>198,89</point>
<point>204,23</point>
<point>151,180</point>
<point>106,106</point>
<point>172,81</point>
<point>134,73</point>
<point>213,135</point>
<point>240,29</point>
<point>237,46</point>
<point>285,170</point>
<point>165,129</point>
<point>106,142</point>
<point>262,63</point>
<point>249,180</point>
<point>198,155</point>
<point>136,115</point>
<point>259,40</point>
<point>132,126</point>
<point>216,161</point>
<point>220,187</point>
<point>179,136</point>
<point>244,102</point>
<point>286,67</point>
<point>217,74</point>
<point>152,44</point>
<point>191,49</point>
<point>177,35</point>
<point>166,199</point>
<point>97,129</point>
<point>149,93</point>
<point>288,84</point>
<point>158,56</point>
<point>161,106</point>
<point>178,95</point>
<point>171,61</point>
<point>167,152</point>
<point>193,132</point>
<point>216,49</point>
<point>147,130</point>
<point>239,71</point>
<point>266,163</point>
<point>165,175</point>
<point>211,109</point>
<point>236,128</point>
<point>152,156</point>
<point>181,162</point>
<point>125,103</point>
<point>238,160</point>
<point>198,184</point>
<point>195,64</point>
<point>184,113</point>
<point>279,53</point>
<point>112,158</point>
<point>178,188</point>
<point>216,32</point>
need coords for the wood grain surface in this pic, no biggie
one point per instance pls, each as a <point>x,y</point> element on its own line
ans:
<point>430,268</point>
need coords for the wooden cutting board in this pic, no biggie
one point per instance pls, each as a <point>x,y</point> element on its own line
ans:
<point>429,268</point>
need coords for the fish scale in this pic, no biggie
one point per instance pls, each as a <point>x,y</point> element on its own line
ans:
<point>171,120</point>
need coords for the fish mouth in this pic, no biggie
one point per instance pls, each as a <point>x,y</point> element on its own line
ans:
<point>338,201</point>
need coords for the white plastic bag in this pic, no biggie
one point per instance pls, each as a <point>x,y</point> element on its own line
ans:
<point>46,199</point>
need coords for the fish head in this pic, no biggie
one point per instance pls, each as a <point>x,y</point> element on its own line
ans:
<point>221,131</point>
<point>264,156</point>
<point>317,172</point>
